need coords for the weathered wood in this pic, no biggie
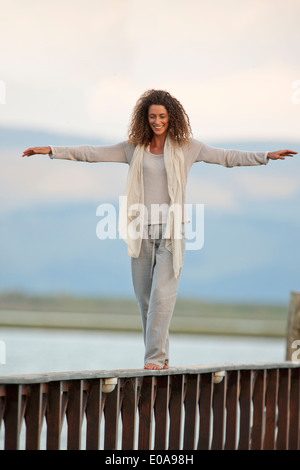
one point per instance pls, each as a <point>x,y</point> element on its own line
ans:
<point>141,373</point>
<point>293,328</point>
<point>283,409</point>
<point>245,409</point>
<point>271,404</point>
<point>34,415</point>
<point>219,400</point>
<point>232,408</point>
<point>259,394</point>
<point>176,411</point>
<point>146,405</point>
<point>205,410</point>
<point>191,412</point>
<point>2,402</point>
<point>130,396</point>
<point>94,410</point>
<point>75,411</point>
<point>258,407</point>
<point>12,417</point>
<point>111,415</point>
<point>54,415</point>
<point>161,412</point>
<point>294,428</point>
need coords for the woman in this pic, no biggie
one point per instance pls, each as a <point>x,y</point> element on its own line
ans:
<point>160,151</point>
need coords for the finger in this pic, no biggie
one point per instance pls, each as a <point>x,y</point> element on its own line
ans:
<point>27,153</point>
<point>288,152</point>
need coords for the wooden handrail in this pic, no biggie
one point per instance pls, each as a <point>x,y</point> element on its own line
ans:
<point>248,406</point>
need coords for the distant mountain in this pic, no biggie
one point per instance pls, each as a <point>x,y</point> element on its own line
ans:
<point>12,137</point>
<point>55,249</point>
<point>20,137</point>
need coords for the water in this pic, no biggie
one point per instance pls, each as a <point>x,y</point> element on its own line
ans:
<point>33,351</point>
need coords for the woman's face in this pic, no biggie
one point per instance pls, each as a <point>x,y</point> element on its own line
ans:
<point>158,118</point>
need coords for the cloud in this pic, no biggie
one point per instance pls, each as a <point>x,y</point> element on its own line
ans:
<point>232,190</point>
<point>232,64</point>
<point>273,187</point>
<point>38,179</point>
<point>210,192</point>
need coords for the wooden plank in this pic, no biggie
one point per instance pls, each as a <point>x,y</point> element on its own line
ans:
<point>176,411</point>
<point>75,414</point>
<point>54,415</point>
<point>259,397</point>
<point>130,393</point>
<point>205,410</point>
<point>283,409</point>
<point>94,415</point>
<point>271,408</point>
<point>219,400</point>
<point>232,408</point>
<point>161,414</point>
<point>2,407</point>
<point>245,409</point>
<point>34,416</point>
<point>89,375</point>
<point>12,416</point>
<point>191,411</point>
<point>146,405</point>
<point>294,429</point>
<point>111,415</point>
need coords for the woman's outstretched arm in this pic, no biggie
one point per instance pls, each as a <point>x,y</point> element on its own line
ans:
<point>231,158</point>
<point>83,153</point>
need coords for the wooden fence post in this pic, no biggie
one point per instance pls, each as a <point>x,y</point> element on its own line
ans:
<point>293,327</point>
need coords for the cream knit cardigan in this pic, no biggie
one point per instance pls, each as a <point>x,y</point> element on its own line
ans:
<point>133,203</point>
<point>173,156</point>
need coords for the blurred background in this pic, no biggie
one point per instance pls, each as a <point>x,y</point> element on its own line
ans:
<point>71,72</point>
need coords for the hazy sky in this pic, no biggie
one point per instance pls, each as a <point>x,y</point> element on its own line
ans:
<point>78,66</point>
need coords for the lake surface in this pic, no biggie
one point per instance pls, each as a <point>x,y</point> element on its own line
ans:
<point>32,351</point>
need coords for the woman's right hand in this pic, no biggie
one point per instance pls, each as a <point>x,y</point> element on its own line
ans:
<point>36,150</point>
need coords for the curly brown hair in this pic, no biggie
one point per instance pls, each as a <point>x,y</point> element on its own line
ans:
<point>179,128</point>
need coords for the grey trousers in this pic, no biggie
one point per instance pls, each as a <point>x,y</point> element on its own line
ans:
<point>155,287</point>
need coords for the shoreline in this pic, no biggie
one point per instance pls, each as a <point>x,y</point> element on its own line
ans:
<point>132,323</point>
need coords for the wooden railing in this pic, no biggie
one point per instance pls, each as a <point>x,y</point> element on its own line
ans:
<point>242,406</point>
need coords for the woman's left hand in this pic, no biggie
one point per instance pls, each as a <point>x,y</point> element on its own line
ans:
<point>281,154</point>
